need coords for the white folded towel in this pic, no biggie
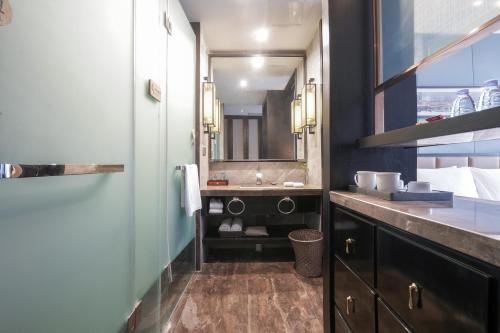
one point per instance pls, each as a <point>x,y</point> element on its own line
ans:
<point>237,224</point>
<point>256,231</point>
<point>192,196</point>
<point>215,211</point>
<point>216,203</point>
<point>293,184</point>
<point>225,225</point>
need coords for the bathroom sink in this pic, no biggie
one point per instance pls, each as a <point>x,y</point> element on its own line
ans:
<point>257,187</point>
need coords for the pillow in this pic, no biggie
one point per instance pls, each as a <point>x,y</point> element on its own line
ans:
<point>487,183</point>
<point>453,179</point>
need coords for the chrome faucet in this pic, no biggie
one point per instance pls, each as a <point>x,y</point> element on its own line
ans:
<point>259,178</point>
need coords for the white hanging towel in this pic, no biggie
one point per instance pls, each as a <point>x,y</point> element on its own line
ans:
<point>192,196</point>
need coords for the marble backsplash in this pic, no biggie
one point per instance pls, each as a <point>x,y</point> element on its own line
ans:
<point>244,172</point>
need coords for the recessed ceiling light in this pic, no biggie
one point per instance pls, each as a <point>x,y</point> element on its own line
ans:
<point>262,34</point>
<point>257,62</point>
<point>477,3</point>
<point>243,83</point>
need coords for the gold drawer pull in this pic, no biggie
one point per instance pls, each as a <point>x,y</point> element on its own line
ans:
<point>412,289</point>
<point>350,245</point>
<point>350,305</point>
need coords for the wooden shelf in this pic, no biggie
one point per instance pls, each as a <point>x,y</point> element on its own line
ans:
<point>477,126</point>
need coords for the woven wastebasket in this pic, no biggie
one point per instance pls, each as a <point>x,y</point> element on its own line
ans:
<point>308,247</point>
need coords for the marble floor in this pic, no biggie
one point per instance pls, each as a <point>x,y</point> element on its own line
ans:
<point>249,297</point>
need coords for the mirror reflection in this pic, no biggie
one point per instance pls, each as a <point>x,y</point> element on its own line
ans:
<point>255,94</point>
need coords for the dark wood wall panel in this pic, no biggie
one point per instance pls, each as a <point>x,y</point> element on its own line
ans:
<point>246,139</point>
<point>348,114</point>
<point>229,138</point>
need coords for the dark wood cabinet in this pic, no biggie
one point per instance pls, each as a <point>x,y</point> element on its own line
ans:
<point>355,301</point>
<point>395,282</point>
<point>354,243</point>
<point>340,323</point>
<point>430,291</point>
<point>388,322</point>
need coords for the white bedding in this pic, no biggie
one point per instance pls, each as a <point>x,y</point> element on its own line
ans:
<point>487,183</point>
<point>460,181</point>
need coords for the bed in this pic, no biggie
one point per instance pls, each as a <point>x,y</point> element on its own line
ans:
<point>476,176</point>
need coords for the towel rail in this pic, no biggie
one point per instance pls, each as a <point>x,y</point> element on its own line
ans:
<point>10,171</point>
<point>180,168</point>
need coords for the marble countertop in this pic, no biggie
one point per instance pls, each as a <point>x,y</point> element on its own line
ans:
<point>260,190</point>
<point>470,226</point>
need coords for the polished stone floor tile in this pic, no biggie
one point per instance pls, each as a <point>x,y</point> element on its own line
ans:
<point>251,297</point>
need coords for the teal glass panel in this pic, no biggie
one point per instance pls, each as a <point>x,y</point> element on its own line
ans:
<point>66,97</point>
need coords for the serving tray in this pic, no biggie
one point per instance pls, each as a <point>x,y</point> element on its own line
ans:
<point>405,196</point>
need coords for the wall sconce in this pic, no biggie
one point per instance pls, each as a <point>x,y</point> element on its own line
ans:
<point>297,116</point>
<point>208,104</point>
<point>309,105</point>
<point>215,129</point>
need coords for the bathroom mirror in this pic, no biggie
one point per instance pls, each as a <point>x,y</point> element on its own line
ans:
<point>256,93</point>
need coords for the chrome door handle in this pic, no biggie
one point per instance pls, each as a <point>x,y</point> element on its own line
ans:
<point>11,171</point>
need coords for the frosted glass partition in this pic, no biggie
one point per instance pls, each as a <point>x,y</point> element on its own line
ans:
<point>66,97</point>
<point>409,31</point>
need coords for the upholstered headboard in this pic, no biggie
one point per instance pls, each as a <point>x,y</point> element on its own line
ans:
<point>445,161</point>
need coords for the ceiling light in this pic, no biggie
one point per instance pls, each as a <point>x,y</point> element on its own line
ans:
<point>257,62</point>
<point>477,3</point>
<point>497,3</point>
<point>243,83</point>
<point>262,34</point>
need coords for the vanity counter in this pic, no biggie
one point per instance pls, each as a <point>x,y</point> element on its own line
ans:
<point>260,190</point>
<point>470,226</point>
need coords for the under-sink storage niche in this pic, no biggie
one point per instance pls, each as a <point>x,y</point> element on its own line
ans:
<point>266,222</point>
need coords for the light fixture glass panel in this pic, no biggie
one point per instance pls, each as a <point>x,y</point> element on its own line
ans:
<point>208,91</point>
<point>309,104</point>
<point>296,114</point>
<point>217,117</point>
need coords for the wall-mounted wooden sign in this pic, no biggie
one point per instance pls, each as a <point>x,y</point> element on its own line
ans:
<point>155,90</point>
<point>5,12</point>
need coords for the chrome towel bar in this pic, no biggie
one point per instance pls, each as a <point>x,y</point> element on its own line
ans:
<point>180,167</point>
<point>8,171</point>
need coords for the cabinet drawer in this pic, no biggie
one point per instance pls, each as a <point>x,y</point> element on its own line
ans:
<point>387,321</point>
<point>431,292</point>
<point>354,243</point>
<point>340,324</point>
<point>355,301</point>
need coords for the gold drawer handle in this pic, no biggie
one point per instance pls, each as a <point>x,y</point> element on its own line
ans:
<point>350,305</point>
<point>350,245</point>
<point>412,289</point>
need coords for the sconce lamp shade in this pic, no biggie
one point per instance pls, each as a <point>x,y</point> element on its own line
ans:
<point>217,117</point>
<point>209,104</point>
<point>297,124</point>
<point>309,104</point>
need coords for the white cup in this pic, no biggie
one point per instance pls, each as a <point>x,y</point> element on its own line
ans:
<point>419,187</point>
<point>366,179</point>
<point>389,181</point>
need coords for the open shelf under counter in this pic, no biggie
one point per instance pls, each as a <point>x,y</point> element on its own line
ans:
<point>278,236</point>
<point>477,126</point>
